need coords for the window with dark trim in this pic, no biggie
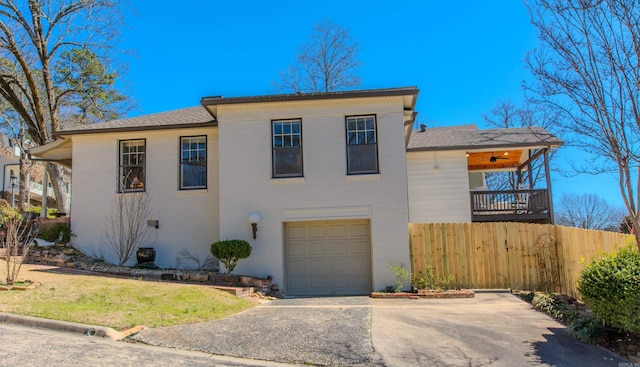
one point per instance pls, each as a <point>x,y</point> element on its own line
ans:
<point>286,146</point>
<point>362,146</point>
<point>132,165</point>
<point>193,162</point>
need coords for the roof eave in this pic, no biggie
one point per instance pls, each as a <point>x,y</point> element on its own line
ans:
<point>554,144</point>
<point>211,103</point>
<point>63,133</point>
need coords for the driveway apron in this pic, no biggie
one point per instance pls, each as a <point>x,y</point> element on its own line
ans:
<point>492,329</point>
<point>332,331</point>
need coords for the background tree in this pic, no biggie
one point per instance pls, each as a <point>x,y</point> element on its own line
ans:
<point>89,92</point>
<point>626,226</point>
<point>587,68</point>
<point>328,62</point>
<point>506,115</point>
<point>38,39</point>
<point>588,211</point>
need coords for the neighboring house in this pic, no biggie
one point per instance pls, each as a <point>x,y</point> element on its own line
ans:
<point>10,161</point>
<point>326,174</point>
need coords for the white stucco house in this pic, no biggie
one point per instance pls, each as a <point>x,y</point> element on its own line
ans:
<point>332,179</point>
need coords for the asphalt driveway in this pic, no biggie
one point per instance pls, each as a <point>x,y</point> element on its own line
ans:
<point>493,329</point>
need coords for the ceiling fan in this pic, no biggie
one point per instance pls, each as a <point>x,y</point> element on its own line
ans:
<point>494,158</point>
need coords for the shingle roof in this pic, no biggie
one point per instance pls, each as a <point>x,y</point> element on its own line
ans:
<point>469,137</point>
<point>184,117</point>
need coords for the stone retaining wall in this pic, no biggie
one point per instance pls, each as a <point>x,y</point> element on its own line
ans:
<point>64,255</point>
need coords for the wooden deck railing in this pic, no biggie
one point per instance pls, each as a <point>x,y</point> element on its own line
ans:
<point>526,205</point>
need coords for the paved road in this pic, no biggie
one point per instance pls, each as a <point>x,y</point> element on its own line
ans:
<point>27,347</point>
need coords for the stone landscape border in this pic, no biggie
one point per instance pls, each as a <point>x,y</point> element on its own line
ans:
<point>426,294</point>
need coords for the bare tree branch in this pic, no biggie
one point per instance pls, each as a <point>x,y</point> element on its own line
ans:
<point>34,37</point>
<point>588,69</point>
<point>588,211</point>
<point>126,224</point>
<point>327,63</point>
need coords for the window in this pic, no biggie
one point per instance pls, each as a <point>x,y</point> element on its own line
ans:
<point>287,148</point>
<point>132,165</point>
<point>193,162</point>
<point>362,147</point>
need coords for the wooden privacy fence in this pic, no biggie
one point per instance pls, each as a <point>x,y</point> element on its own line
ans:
<point>509,255</point>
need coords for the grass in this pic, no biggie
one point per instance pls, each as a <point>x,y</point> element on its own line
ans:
<point>117,303</point>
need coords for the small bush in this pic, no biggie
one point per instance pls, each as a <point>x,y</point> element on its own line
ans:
<point>401,274</point>
<point>52,232</point>
<point>555,306</point>
<point>611,288</point>
<point>432,280</point>
<point>587,329</point>
<point>230,251</point>
<point>37,210</point>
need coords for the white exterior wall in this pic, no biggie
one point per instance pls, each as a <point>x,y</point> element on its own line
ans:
<point>188,219</point>
<point>442,195</point>
<point>325,191</point>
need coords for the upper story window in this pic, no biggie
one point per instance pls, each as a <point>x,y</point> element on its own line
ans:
<point>132,165</point>
<point>362,147</point>
<point>287,148</point>
<point>193,162</point>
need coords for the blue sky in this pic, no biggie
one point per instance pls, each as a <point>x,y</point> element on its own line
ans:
<point>465,56</point>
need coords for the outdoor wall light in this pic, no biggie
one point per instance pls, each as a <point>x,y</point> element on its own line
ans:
<point>153,223</point>
<point>14,182</point>
<point>254,218</point>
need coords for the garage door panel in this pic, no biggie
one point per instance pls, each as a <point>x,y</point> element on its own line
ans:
<point>338,247</point>
<point>338,230</point>
<point>340,265</point>
<point>316,231</point>
<point>317,266</point>
<point>359,230</point>
<point>356,281</point>
<point>294,232</point>
<point>315,248</point>
<point>358,265</point>
<point>331,257</point>
<point>296,248</point>
<point>297,283</point>
<point>319,283</point>
<point>297,267</point>
<point>359,247</point>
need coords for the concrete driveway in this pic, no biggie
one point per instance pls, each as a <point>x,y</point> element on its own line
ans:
<point>493,329</point>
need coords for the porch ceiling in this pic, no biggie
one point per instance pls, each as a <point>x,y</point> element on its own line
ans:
<point>505,160</point>
<point>59,151</point>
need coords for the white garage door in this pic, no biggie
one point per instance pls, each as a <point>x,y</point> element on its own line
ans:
<point>328,258</point>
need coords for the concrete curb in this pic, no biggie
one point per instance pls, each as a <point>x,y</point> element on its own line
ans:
<point>66,326</point>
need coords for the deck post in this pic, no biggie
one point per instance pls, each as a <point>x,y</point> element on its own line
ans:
<point>547,173</point>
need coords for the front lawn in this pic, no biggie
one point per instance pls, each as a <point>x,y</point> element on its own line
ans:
<point>117,303</point>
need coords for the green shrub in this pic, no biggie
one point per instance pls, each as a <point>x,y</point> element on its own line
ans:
<point>401,274</point>
<point>587,329</point>
<point>52,232</point>
<point>555,306</point>
<point>230,251</point>
<point>611,288</point>
<point>38,210</point>
<point>432,280</point>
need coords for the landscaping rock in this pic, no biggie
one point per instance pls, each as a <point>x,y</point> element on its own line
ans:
<point>199,277</point>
